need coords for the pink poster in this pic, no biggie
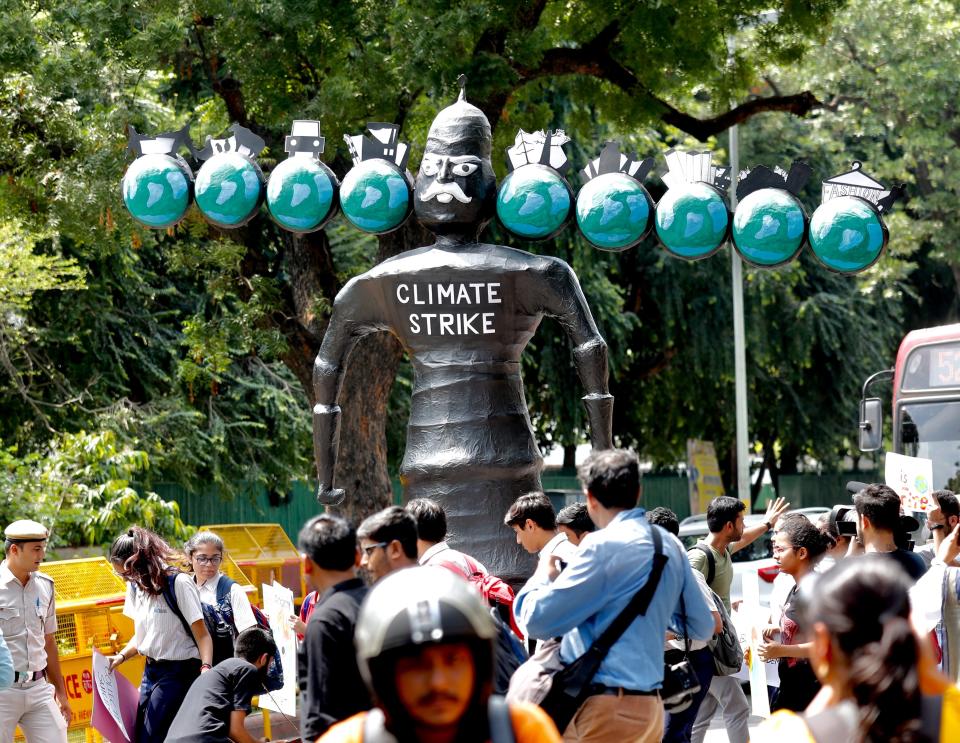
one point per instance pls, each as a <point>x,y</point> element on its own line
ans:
<point>114,703</point>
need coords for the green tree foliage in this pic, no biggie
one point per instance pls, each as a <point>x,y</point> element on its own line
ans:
<point>196,346</point>
<point>82,485</point>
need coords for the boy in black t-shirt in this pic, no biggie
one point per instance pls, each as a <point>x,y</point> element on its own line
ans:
<point>218,702</point>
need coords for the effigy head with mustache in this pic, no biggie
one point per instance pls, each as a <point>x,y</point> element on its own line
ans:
<point>456,189</point>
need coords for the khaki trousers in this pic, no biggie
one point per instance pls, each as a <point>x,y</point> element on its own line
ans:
<point>624,718</point>
<point>35,709</point>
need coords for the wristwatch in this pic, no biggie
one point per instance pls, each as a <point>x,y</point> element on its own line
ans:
<point>768,525</point>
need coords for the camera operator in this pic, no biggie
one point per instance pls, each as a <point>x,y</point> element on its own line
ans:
<point>840,526</point>
<point>880,526</point>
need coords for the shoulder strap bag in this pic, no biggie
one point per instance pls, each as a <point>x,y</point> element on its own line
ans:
<point>571,684</point>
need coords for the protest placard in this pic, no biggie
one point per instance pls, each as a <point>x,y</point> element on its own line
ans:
<point>278,606</point>
<point>114,703</point>
<point>912,479</point>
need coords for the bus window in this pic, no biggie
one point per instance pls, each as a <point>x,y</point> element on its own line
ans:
<point>932,430</point>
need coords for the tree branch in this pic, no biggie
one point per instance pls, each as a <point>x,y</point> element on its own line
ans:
<point>594,60</point>
<point>227,88</point>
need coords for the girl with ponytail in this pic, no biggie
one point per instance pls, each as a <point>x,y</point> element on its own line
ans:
<point>169,630</point>
<point>864,652</point>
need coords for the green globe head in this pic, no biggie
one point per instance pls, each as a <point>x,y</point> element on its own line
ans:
<point>229,189</point>
<point>376,196</point>
<point>156,190</point>
<point>769,227</point>
<point>692,221</point>
<point>613,211</point>
<point>302,194</point>
<point>847,234</point>
<point>534,202</point>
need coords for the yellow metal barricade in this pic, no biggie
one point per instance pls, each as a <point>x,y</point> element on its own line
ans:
<point>264,553</point>
<point>89,598</point>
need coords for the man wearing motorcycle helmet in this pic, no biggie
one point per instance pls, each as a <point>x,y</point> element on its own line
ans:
<point>425,646</point>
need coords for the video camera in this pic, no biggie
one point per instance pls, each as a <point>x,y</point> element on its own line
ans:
<point>843,518</point>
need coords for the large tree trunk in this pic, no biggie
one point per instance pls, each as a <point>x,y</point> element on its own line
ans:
<point>371,369</point>
<point>362,466</point>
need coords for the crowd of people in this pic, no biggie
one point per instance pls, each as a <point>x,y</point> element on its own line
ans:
<point>405,638</point>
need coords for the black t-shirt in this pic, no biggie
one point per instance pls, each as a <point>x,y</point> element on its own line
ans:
<point>912,564</point>
<point>331,687</point>
<point>204,716</point>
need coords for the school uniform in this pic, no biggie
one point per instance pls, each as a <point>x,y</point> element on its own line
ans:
<point>173,659</point>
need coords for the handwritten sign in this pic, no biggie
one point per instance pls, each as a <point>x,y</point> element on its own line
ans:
<point>114,703</point>
<point>278,605</point>
<point>912,479</point>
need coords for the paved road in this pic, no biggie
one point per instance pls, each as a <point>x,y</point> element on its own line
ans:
<point>718,733</point>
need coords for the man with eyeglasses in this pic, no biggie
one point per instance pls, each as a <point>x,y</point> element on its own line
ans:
<point>388,542</point>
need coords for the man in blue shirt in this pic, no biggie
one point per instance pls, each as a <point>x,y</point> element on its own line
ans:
<point>613,564</point>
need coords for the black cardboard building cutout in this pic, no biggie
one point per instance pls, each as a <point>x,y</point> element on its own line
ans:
<point>464,311</point>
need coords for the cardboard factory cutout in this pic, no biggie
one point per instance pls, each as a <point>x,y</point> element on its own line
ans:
<point>692,218</point>
<point>770,223</point>
<point>535,201</point>
<point>302,191</point>
<point>229,187</point>
<point>614,210</point>
<point>464,311</point>
<point>847,231</point>
<point>158,185</point>
<point>376,195</point>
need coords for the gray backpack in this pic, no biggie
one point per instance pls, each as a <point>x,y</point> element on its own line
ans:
<point>725,646</point>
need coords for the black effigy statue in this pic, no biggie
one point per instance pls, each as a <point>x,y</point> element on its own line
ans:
<point>463,311</point>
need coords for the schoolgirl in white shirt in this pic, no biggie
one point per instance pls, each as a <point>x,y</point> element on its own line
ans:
<point>174,657</point>
<point>205,551</point>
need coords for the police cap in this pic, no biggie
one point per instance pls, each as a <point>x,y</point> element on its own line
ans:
<point>25,530</point>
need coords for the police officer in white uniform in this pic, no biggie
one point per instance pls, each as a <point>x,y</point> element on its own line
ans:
<point>37,700</point>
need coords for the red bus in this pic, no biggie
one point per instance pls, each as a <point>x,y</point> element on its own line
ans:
<point>926,403</point>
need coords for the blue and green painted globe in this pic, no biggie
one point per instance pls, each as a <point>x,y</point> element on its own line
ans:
<point>769,226</point>
<point>229,189</point>
<point>847,234</point>
<point>156,190</point>
<point>613,211</point>
<point>692,221</point>
<point>534,202</point>
<point>376,196</point>
<point>300,194</point>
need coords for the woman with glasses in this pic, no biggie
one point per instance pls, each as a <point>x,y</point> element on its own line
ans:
<point>798,546</point>
<point>169,629</point>
<point>205,551</point>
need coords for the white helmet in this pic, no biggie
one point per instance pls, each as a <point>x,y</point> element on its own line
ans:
<point>419,606</point>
